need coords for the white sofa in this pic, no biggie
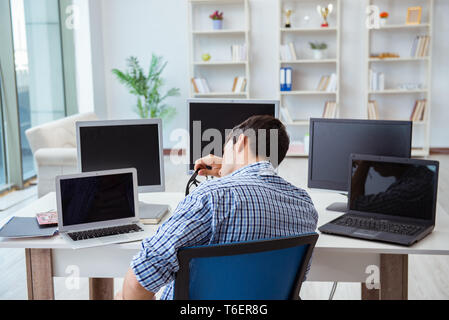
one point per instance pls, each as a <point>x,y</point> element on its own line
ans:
<point>54,148</point>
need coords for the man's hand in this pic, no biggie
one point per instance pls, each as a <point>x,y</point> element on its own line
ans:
<point>211,161</point>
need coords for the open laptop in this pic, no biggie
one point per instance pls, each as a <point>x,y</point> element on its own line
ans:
<point>98,208</point>
<point>390,199</point>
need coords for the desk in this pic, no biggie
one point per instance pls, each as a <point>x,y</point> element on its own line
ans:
<point>335,258</point>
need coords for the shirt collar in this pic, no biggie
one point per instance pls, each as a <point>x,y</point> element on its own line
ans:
<point>261,168</point>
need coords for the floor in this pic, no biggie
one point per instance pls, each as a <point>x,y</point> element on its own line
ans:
<point>428,275</point>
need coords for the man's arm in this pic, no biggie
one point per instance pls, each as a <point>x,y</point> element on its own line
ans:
<point>132,290</point>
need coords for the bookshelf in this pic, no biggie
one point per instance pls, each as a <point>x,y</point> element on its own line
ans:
<point>396,36</point>
<point>219,72</point>
<point>304,101</point>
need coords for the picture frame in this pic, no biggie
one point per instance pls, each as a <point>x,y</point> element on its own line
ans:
<point>414,15</point>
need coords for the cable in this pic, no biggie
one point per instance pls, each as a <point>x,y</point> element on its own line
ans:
<point>334,287</point>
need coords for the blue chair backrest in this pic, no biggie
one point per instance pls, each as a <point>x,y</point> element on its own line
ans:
<point>257,270</point>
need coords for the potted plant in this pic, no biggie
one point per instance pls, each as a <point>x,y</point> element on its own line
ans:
<point>383,17</point>
<point>217,20</point>
<point>318,49</point>
<point>147,88</point>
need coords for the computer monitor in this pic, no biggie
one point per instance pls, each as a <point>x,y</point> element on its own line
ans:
<point>220,115</point>
<point>332,141</point>
<point>118,144</point>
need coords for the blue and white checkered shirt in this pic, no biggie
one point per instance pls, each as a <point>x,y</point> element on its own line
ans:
<point>252,203</point>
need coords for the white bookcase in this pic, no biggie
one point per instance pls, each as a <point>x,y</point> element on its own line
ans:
<point>304,101</point>
<point>220,70</point>
<point>397,37</point>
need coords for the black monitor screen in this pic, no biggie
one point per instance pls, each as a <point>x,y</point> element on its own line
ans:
<point>333,141</point>
<point>396,189</point>
<point>97,198</point>
<point>219,116</point>
<point>120,147</point>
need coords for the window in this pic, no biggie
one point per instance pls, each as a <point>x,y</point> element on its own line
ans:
<point>39,68</point>
<point>2,145</point>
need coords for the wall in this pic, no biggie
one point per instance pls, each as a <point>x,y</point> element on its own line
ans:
<point>140,27</point>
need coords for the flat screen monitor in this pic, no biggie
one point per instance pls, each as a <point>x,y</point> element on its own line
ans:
<point>332,141</point>
<point>209,120</point>
<point>118,144</point>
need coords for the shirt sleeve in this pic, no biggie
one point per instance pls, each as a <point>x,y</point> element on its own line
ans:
<point>156,264</point>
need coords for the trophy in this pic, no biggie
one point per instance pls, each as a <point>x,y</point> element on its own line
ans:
<point>324,12</point>
<point>288,14</point>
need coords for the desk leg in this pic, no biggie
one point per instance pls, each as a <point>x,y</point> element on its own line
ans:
<point>101,288</point>
<point>370,294</point>
<point>39,274</point>
<point>394,276</point>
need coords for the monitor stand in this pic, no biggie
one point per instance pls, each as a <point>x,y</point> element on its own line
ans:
<point>338,207</point>
<point>151,211</point>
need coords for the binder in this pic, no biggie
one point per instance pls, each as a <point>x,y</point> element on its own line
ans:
<point>282,79</point>
<point>288,79</point>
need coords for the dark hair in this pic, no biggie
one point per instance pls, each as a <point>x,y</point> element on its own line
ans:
<point>263,127</point>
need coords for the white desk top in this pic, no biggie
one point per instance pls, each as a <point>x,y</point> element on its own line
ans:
<point>435,243</point>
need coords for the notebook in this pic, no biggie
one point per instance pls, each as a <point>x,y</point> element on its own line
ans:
<point>153,216</point>
<point>24,227</point>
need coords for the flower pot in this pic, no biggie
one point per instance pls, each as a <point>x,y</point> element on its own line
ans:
<point>217,24</point>
<point>318,54</point>
<point>383,21</point>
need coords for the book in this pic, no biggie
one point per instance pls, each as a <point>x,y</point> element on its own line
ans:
<point>323,84</point>
<point>412,116</point>
<point>330,110</point>
<point>47,219</point>
<point>153,216</point>
<point>292,50</point>
<point>239,84</point>
<point>195,87</point>
<point>332,83</point>
<point>286,115</point>
<point>373,110</point>
<point>238,52</point>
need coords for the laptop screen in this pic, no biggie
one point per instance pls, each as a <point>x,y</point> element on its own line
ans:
<point>97,198</point>
<point>391,188</point>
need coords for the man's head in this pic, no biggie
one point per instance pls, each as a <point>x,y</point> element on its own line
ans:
<point>260,138</point>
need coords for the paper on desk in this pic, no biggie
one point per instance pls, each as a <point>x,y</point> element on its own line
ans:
<point>25,227</point>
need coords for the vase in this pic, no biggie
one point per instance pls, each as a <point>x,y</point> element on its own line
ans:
<point>318,54</point>
<point>217,24</point>
<point>383,21</point>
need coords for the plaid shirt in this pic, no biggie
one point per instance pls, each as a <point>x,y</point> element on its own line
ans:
<point>252,203</point>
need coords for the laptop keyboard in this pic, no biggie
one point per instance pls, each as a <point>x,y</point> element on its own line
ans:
<point>104,232</point>
<point>378,225</point>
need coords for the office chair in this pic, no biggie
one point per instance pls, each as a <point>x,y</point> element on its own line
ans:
<point>256,270</point>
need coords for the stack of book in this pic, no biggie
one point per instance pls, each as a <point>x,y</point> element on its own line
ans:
<point>419,110</point>
<point>373,110</point>
<point>238,52</point>
<point>330,110</point>
<point>376,81</point>
<point>420,47</point>
<point>239,84</point>
<point>288,52</point>
<point>328,83</point>
<point>200,85</point>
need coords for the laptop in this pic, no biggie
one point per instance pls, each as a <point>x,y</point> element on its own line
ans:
<point>98,208</point>
<point>390,200</point>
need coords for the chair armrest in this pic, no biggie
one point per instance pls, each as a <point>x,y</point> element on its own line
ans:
<point>56,157</point>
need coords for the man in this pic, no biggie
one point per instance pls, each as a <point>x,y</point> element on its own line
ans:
<point>248,201</point>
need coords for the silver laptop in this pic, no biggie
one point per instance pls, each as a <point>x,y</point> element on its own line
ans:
<point>98,208</point>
